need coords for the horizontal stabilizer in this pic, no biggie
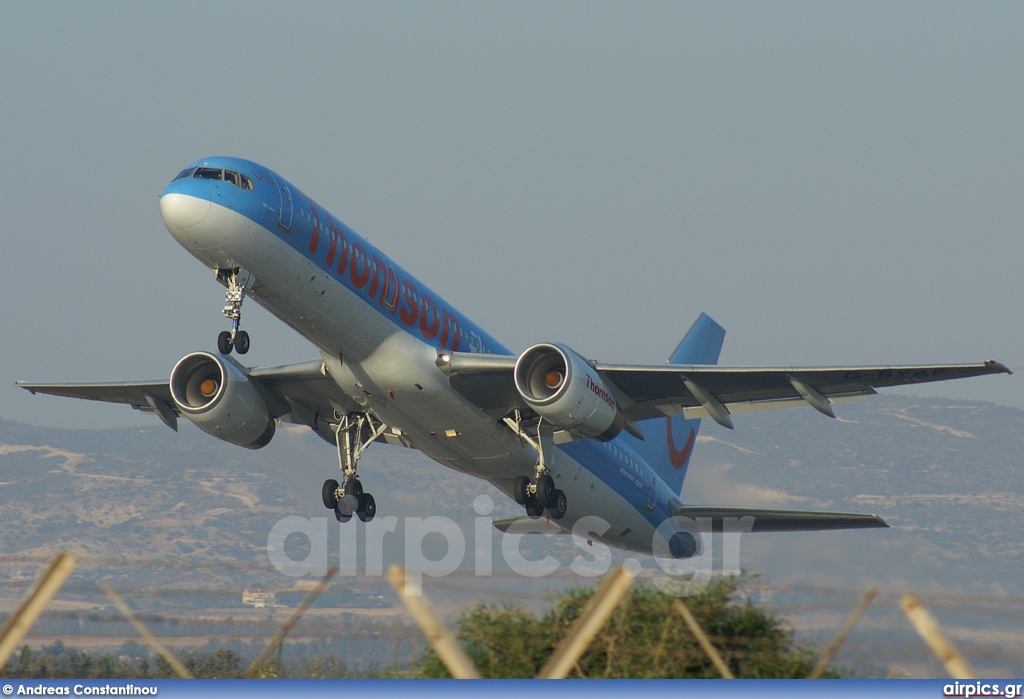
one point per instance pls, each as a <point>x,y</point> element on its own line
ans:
<point>527,525</point>
<point>767,520</point>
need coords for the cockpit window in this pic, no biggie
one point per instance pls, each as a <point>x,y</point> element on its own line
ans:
<point>238,179</point>
<point>184,173</point>
<point>208,173</point>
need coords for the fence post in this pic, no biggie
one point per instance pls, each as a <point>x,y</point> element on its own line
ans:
<point>307,602</point>
<point>592,618</point>
<point>146,634</point>
<point>929,629</point>
<point>33,604</point>
<point>703,640</point>
<point>843,632</point>
<point>440,638</point>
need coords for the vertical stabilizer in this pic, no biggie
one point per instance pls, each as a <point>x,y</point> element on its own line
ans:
<point>669,441</point>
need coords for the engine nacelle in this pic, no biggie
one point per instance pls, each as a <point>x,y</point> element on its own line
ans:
<point>216,394</point>
<point>562,387</point>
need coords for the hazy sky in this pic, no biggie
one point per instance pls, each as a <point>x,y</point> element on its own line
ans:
<point>834,183</point>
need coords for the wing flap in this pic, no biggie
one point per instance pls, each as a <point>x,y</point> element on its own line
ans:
<point>771,520</point>
<point>661,390</point>
<point>650,380</point>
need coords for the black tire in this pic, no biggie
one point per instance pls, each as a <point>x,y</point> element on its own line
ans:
<point>224,342</point>
<point>519,490</point>
<point>354,487</point>
<point>329,493</point>
<point>559,505</point>
<point>242,342</point>
<point>533,509</point>
<point>546,490</point>
<point>367,507</point>
<point>345,508</point>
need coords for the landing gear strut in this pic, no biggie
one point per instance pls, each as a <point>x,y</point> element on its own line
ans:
<point>541,493</point>
<point>235,280</point>
<point>353,433</point>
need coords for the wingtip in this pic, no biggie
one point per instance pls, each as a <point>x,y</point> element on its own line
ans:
<point>999,367</point>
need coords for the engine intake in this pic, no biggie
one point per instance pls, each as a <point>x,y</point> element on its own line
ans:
<point>218,396</point>
<point>560,385</point>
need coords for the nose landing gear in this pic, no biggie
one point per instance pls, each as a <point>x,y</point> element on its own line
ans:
<point>236,281</point>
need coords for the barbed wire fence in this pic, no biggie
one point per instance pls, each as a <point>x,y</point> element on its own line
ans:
<point>79,615</point>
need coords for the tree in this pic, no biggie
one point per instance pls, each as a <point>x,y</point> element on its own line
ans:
<point>222,663</point>
<point>644,638</point>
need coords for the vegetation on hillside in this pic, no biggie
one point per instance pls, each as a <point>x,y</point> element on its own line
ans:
<point>644,638</point>
<point>133,661</point>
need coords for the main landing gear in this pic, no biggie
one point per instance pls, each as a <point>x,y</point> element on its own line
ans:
<point>235,280</point>
<point>354,433</point>
<point>541,493</point>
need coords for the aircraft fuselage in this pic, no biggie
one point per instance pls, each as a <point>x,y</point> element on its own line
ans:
<point>380,332</point>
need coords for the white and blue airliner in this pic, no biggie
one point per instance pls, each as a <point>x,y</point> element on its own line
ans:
<point>565,436</point>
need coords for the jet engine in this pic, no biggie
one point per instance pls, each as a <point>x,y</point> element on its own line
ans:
<point>218,396</point>
<point>562,387</point>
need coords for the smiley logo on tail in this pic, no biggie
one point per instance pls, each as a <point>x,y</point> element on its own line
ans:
<point>677,457</point>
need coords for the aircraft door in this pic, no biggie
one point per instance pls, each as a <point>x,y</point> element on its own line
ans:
<point>652,496</point>
<point>284,215</point>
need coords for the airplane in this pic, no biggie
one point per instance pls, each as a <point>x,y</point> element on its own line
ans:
<point>565,436</point>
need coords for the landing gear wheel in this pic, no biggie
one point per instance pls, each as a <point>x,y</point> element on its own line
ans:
<point>342,512</point>
<point>354,432</point>
<point>224,342</point>
<point>519,491</point>
<point>546,490</point>
<point>559,505</point>
<point>367,507</point>
<point>330,493</point>
<point>242,342</point>
<point>533,509</point>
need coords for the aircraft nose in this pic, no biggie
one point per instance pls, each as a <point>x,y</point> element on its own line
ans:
<point>182,211</point>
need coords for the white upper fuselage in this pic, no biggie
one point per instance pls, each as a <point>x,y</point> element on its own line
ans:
<point>380,333</point>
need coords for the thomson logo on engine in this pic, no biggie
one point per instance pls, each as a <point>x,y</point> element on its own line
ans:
<point>600,392</point>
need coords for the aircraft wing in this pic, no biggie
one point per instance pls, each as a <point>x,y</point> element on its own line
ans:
<point>645,392</point>
<point>128,392</point>
<point>768,520</point>
<point>297,393</point>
